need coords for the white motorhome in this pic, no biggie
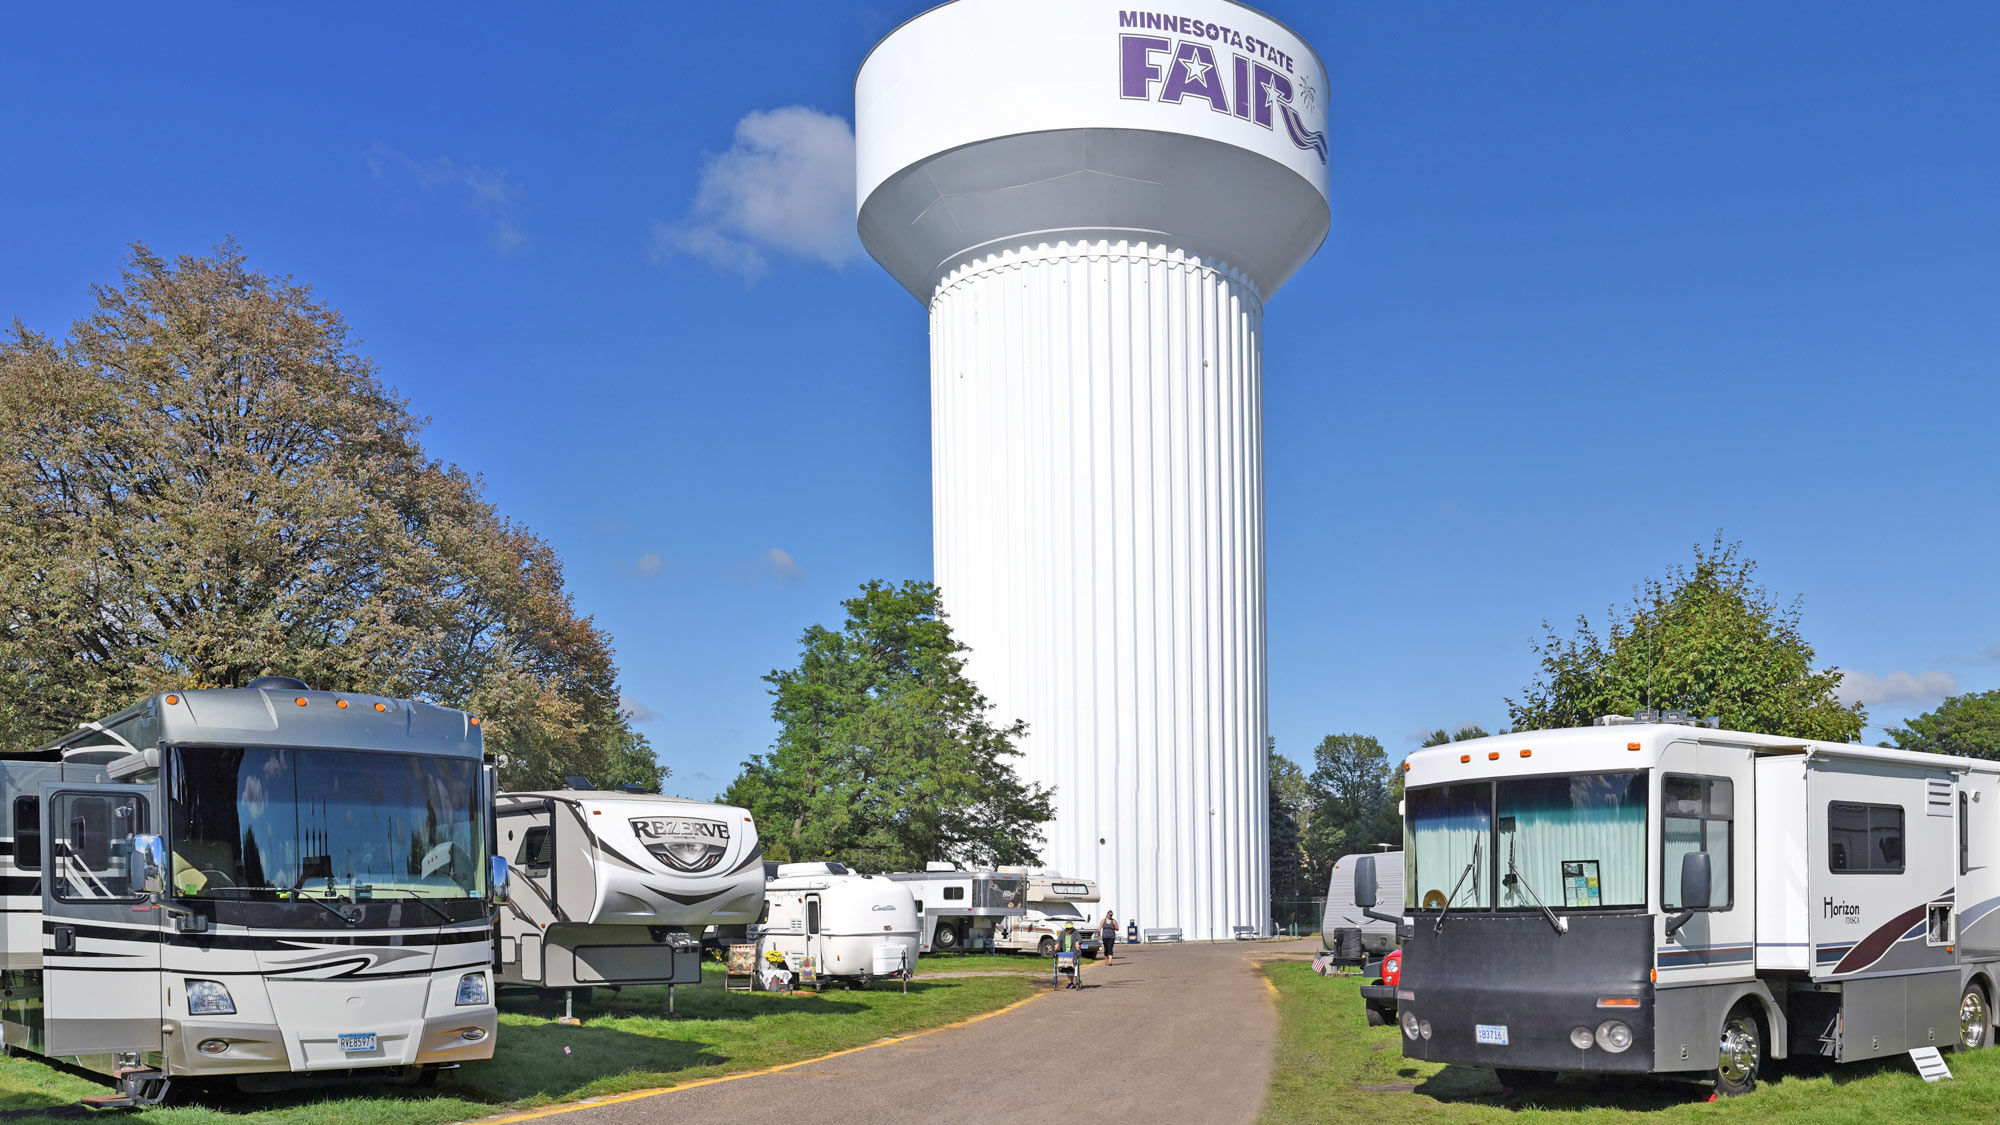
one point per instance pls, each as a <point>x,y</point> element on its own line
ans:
<point>1377,936</point>
<point>959,910</point>
<point>261,883</point>
<point>855,928</point>
<point>614,888</point>
<point>1051,905</point>
<point>1655,897</point>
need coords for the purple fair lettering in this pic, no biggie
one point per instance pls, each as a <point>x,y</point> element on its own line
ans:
<point>1137,72</point>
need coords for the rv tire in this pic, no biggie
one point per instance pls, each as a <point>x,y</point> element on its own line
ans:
<point>946,939</point>
<point>1975,1019</point>
<point>1739,1051</point>
<point>1519,1079</point>
<point>1046,947</point>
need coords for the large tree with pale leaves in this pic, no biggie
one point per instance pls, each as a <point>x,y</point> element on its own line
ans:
<point>203,482</point>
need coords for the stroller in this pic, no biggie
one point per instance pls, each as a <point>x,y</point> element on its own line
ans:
<point>1066,965</point>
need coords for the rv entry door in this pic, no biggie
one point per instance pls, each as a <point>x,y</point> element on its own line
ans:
<point>100,936</point>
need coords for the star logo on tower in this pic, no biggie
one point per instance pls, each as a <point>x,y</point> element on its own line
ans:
<point>1194,71</point>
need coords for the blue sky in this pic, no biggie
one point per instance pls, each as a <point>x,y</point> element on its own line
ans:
<point>1602,280</point>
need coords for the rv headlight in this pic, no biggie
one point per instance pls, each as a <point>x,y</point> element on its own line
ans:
<point>472,989</point>
<point>208,998</point>
<point>1424,1028</point>
<point>1409,1023</point>
<point>1579,1037</point>
<point>1613,1036</point>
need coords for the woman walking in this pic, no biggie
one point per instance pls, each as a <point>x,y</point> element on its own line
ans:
<point>1107,935</point>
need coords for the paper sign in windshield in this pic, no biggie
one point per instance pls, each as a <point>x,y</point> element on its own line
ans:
<point>1580,884</point>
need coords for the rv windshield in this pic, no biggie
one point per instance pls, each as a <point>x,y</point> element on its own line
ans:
<point>264,825</point>
<point>1576,843</point>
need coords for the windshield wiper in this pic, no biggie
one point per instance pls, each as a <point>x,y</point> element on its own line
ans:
<point>1446,908</point>
<point>420,901</point>
<point>301,896</point>
<point>1561,924</point>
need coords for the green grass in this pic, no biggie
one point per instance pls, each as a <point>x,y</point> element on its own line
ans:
<point>1327,1053</point>
<point>625,1044</point>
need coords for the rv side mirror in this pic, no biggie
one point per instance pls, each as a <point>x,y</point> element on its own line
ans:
<point>149,865</point>
<point>1696,880</point>
<point>496,877</point>
<point>1364,881</point>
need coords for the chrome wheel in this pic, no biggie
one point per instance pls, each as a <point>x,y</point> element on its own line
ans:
<point>1975,1026</point>
<point>1741,1050</point>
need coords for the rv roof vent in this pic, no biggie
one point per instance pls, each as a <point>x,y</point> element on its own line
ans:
<point>278,683</point>
<point>934,865</point>
<point>577,781</point>
<point>1612,721</point>
<point>633,787</point>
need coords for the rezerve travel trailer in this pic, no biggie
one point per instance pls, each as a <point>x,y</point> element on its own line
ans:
<point>251,882</point>
<point>1377,937</point>
<point>615,888</point>
<point>1051,905</point>
<point>1662,898</point>
<point>856,928</point>
<point>958,910</point>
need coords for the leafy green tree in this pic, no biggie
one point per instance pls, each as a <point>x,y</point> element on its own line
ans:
<point>1966,726</point>
<point>1351,808</point>
<point>885,756</point>
<point>1705,638</point>
<point>1441,737</point>
<point>1290,798</point>
<point>204,483</point>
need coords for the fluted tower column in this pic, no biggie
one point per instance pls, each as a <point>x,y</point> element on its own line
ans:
<point>1096,269</point>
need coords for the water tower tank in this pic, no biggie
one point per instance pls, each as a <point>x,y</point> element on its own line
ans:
<point>1094,202</point>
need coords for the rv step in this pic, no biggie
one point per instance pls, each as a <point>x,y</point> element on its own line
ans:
<point>137,1086</point>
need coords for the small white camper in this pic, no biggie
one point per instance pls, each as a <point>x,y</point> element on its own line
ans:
<point>614,888</point>
<point>850,928</point>
<point>1376,936</point>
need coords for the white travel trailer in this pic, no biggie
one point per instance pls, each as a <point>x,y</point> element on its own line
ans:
<point>855,928</point>
<point>258,883</point>
<point>1051,905</point>
<point>1377,936</point>
<point>959,910</point>
<point>613,888</point>
<point>1662,898</point>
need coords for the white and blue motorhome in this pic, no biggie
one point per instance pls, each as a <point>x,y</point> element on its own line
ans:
<point>259,882</point>
<point>1658,897</point>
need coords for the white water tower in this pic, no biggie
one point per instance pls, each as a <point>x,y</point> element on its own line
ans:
<point>1094,202</point>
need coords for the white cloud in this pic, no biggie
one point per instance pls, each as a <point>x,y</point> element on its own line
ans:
<point>635,710</point>
<point>1990,653</point>
<point>783,566</point>
<point>487,193</point>
<point>649,564</point>
<point>786,187</point>
<point>1896,687</point>
<point>774,565</point>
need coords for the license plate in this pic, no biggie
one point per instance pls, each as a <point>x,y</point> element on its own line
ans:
<point>361,1041</point>
<point>1495,1033</point>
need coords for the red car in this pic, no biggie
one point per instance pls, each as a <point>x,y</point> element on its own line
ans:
<point>1381,995</point>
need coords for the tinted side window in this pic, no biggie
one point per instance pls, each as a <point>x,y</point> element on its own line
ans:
<point>1864,839</point>
<point>93,840</point>
<point>538,851</point>
<point>28,833</point>
<point>954,894</point>
<point>1698,814</point>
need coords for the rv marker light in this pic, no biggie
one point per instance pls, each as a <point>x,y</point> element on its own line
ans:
<point>340,703</point>
<point>381,707</point>
<point>1613,1036</point>
<point>1493,755</point>
<point>1579,1037</point>
<point>301,701</point>
<point>212,1046</point>
<point>1618,1002</point>
<point>208,998</point>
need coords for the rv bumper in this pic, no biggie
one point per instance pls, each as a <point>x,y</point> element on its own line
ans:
<point>1525,1030</point>
<point>255,1049</point>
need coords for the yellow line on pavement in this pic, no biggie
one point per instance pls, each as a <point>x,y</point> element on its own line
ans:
<point>636,1095</point>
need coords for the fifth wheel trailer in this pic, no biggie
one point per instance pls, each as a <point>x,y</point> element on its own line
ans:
<point>1663,898</point>
<point>258,883</point>
<point>613,888</point>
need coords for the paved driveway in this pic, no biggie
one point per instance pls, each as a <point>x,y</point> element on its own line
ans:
<point>1171,1033</point>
